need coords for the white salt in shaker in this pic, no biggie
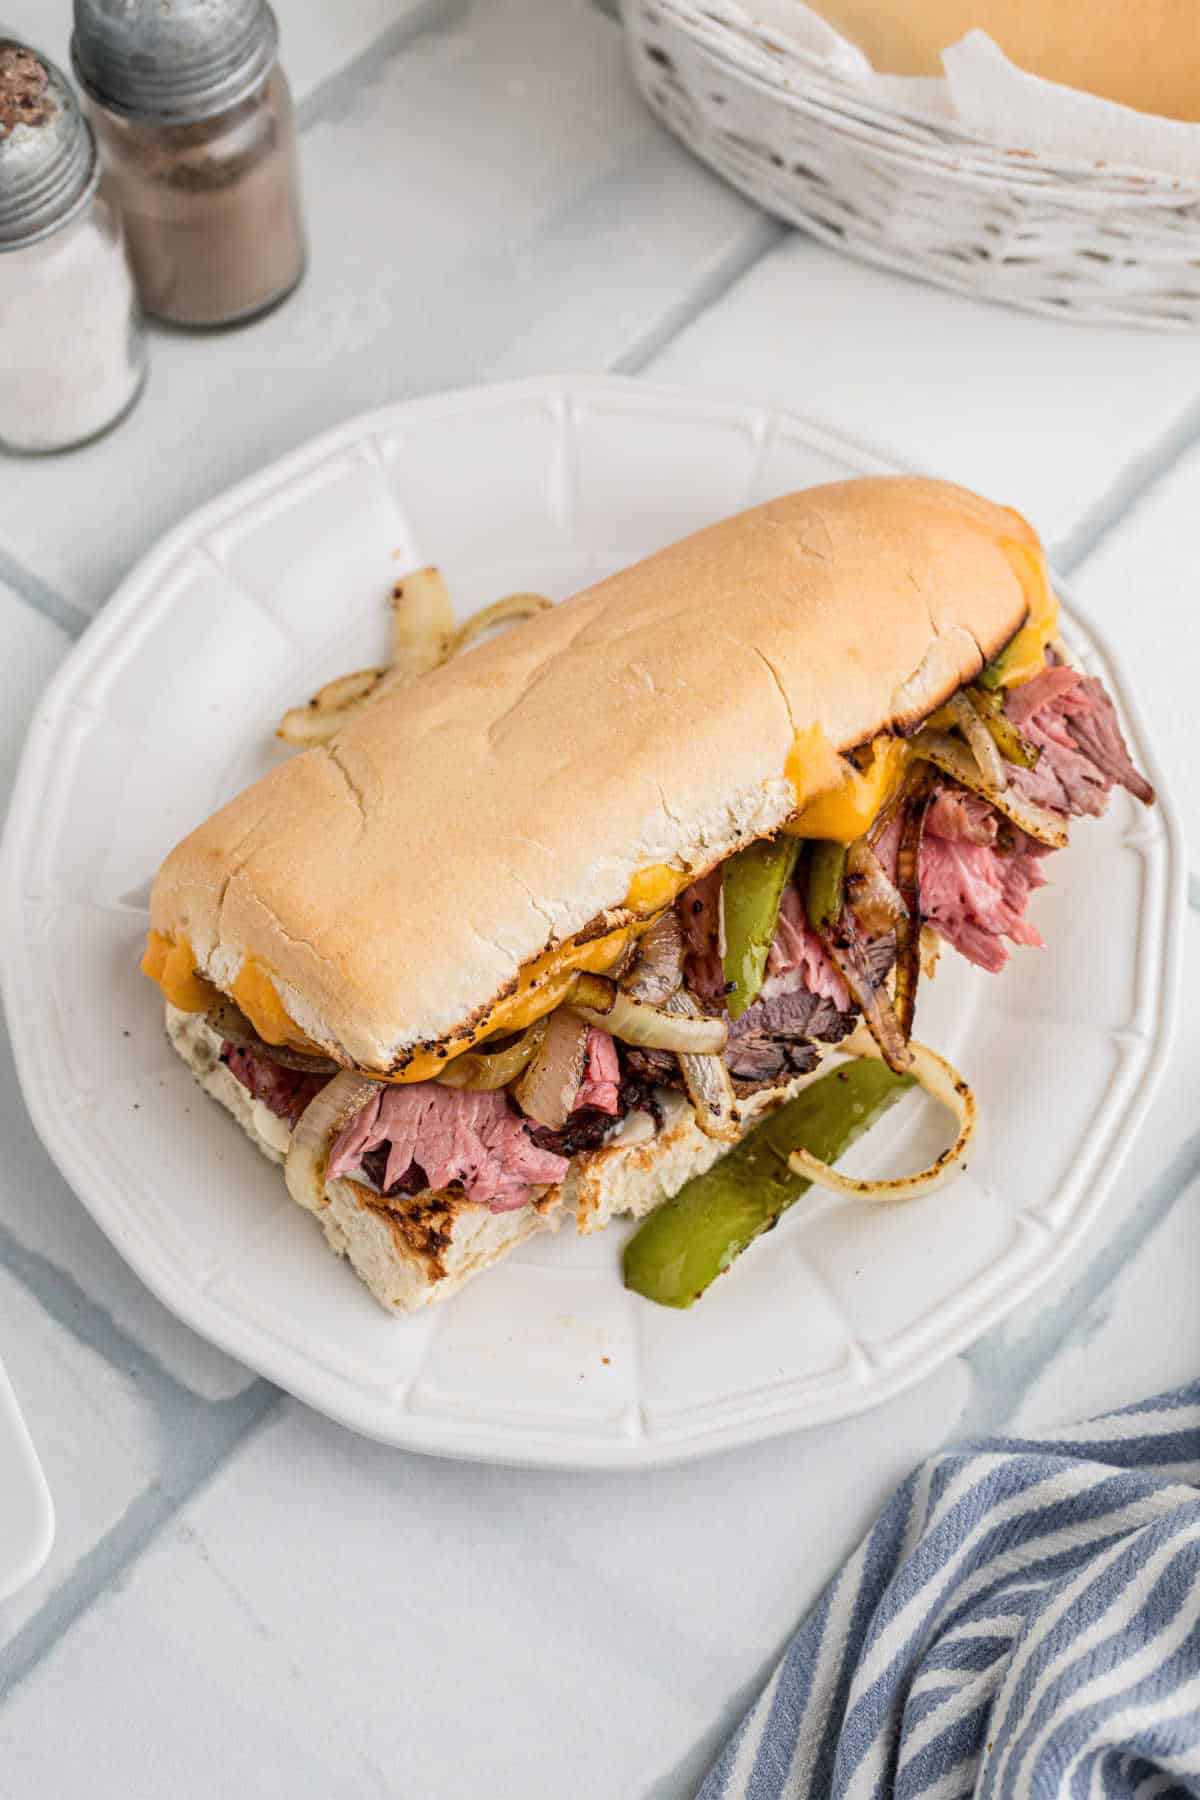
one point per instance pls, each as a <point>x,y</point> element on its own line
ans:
<point>72,354</point>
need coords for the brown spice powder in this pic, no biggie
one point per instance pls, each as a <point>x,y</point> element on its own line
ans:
<point>211,207</point>
<point>24,90</point>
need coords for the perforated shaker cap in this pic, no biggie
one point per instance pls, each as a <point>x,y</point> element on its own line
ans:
<point>47,152</point>
<point>172,60</point>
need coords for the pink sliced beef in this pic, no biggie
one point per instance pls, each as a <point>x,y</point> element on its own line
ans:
<point>285,1092</point>
<point>977,872</point>
<point>601,1076</point>
<point>974,895</point>
<point>798,959</point>
<point>433,1135</point>
<point>1071,720</point>
<point>452,1135</point>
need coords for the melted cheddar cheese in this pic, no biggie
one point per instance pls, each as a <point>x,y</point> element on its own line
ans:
<point>256,994</point>
<point>173,966</point>
<point>840,802</point>
<point>1025,655</point>
<point>813,766</point>
<point>655,887</point>
<point>848,807</point>
<point>542,985</point>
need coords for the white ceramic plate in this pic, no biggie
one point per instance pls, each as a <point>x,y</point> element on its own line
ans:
<point>167,707</point>
<point>26,1511</point>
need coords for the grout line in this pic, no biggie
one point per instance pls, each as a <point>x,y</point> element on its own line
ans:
<point>212,1434</point>
<point>764,234</point>
<point>197,1435</point>
<point>68,614</point>
<point>331,97</point>
<point>1131,485</point>
<point>1003,1375</point>
<point>63,1300</point>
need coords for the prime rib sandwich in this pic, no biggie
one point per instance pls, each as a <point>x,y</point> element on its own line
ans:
<point>545,930</point>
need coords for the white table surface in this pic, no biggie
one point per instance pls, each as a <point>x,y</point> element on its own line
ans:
<point>243,1598</point>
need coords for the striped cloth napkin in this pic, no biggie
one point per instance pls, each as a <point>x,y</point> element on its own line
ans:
<point>1022,1623</point>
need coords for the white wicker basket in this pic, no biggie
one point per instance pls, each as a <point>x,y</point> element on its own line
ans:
<point>913,191</point>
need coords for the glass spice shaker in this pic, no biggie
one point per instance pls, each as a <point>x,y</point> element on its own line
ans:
<point>72,353</point>
<point>194,119</point>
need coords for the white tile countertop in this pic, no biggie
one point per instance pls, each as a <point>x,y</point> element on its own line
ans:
<point>241,1596</point>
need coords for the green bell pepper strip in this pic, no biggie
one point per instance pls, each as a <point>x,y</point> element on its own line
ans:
<point>689,1240</point>
<point>826,884</point>
<point>754,880</point>
<point>1007,738</point>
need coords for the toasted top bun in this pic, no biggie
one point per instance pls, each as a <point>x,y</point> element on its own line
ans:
<point>393,883</point>
<point>1142,53</point>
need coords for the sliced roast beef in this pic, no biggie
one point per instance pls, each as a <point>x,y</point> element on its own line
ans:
<point>457,1137</point>
<point>962,817</point>
<point>975,894</point>
<point>1099,736</point>
<point>374,1167</point>
<point>598,1090</point>
<point>771,1062</point>
<point>589,1126</point>
<point>285,1092</point>
<point>699,908</point>
<point>659,1066</point>
<point>798,960</point>
<point>1071,720</point>
<point>977,871</point>
<point>803,1001</point>
<point>773,1039</point>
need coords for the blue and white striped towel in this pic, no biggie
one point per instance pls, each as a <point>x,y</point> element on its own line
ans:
<point>1022,1623</point>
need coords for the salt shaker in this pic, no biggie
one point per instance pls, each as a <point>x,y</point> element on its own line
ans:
<point>194,118</point>
<point>72,354</point>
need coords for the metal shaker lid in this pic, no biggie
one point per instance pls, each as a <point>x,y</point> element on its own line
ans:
<point>48,164</point>
<point>172,60</point>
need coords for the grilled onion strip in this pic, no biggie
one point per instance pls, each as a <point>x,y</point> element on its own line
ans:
<point>319,1126</point>
<point>874,900</point>
<point>231,1023</point>
<point>331,708</point>
<point>482,1070</point>
<point>943,1082</point>
<point>501,612</point>
<point>908,881</point>
<point>980,741</point>
<point>549,1087</point>
<point>953,758</point>
<point>601,1002</point>
<point>845,948</point>
<point>657,971</point>
<point>423,636</point>
<point>707,1079</point>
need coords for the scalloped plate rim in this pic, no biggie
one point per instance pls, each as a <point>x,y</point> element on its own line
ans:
<point>371,1411</point>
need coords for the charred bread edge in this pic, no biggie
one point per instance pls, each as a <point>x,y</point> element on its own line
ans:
<point>405,1261</point>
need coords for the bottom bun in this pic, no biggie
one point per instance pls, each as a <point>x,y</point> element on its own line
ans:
<point>410,1251</point>
<point>418,1249</point>
<point>630,1179</point>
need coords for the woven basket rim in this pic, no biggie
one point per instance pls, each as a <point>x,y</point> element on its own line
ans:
<point>719,29</point>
